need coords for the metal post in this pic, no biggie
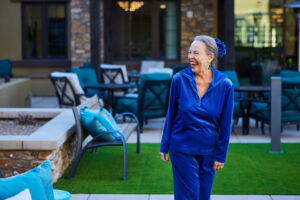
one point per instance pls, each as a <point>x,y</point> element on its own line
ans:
<point>275,115</point>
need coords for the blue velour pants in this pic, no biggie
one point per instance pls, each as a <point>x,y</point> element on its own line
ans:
<point>193,175</point>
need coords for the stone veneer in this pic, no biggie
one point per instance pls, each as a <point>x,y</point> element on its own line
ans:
<point>55,141</point>
<point>80,31</point>
<point>14,162</point>
<point>202,22</point>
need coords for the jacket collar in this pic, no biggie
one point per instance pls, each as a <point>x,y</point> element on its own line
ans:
<point>218,76</point>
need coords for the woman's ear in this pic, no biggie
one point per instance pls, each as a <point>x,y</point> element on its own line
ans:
<point>211,57</point>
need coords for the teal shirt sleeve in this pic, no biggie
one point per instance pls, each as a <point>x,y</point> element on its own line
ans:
<point>172,110</point>
<point>225,126</point>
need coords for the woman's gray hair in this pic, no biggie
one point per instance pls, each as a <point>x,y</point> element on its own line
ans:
<point>211,47</point>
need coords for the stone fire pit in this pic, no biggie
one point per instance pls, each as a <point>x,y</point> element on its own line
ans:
<point>49,137</point>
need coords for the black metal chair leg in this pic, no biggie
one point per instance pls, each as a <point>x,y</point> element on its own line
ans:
<point>125,163</point>
<point>75,164</point>
<point>262,128</point>
<point>138,139</point>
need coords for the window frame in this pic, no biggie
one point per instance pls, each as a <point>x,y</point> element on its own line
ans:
<point>154,33</point>
<point>44,26</point>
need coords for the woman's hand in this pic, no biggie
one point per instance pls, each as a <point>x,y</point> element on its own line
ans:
<point>164,157</point>
<point>218,165</point>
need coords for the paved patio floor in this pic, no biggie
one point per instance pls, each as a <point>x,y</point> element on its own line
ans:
<point>152,134</point>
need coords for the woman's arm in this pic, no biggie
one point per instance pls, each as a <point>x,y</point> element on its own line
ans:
<point>172,110</point>
<point>225,126</point>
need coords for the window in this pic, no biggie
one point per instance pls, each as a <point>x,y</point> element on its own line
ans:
<point>150,32</point>
<point>44,31</point>
<point>265,36</point>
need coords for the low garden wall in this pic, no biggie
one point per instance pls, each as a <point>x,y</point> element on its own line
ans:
<point>55,140</point>
<point>15,93</point>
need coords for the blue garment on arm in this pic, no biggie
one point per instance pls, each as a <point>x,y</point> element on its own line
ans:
<point>199,126</point>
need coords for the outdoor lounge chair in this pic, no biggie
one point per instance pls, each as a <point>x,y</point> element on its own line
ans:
<point>177,68</point>
<point>67,88</point>
<point>151,100</point>
<point>240,101</point>
<point>146,64</point>
<point>290,104</point>
<point>88,76</point>
<point>5,69</point>
<point>85,140</point>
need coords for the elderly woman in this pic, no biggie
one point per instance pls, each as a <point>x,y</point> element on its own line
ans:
<point>198,124</point>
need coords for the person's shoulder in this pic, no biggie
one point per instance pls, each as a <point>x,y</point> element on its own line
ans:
<point>177,77</point>
<point>227,82</point>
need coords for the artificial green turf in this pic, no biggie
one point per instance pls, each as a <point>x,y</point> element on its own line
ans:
<point>249,169</point>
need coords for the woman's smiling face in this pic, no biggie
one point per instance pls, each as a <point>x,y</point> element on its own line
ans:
<point>198,58</point>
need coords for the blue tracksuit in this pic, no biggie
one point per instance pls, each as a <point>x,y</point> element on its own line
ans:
<point>198,127</point>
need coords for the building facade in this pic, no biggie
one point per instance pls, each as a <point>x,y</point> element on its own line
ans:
<point>41,36</point>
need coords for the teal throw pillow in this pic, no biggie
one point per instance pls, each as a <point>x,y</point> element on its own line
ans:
<point>13,185</point>
<point>46,177</point>
<point>98,121</point>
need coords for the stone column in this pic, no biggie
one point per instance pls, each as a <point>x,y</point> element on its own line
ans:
<point>80,32</point>
<point>197,18</point>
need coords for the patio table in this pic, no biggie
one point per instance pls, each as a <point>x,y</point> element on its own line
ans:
<point>111,88</point>
<point>253,92</point>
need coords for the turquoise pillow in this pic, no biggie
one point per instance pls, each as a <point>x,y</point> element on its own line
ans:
<point>46,177</point>
<point>97,121</point>
<point>13,185</point>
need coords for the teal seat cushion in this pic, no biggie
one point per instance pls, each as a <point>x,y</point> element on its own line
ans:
<point>150,101</point>
<point>289,73</point>
<point>232,75</point>
<point>131,105</point>
<point>32,180</point>
<point>87,76</point>
<point>237,109</point>
<point>98,121</point>
<point>127,105</point>
<point>151,76</point>
<point>290,93</point>
<point>290,116</point>
<point>177,68</point>
<point>61,195</point>
<point>260,110</point>
<point>6,68</point>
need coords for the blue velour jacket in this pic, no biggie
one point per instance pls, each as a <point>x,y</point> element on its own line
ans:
<point>195,125</point>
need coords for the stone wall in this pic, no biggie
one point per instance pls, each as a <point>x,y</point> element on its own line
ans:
<point>197,18</point>
<point>202,21</point>
<point>16,162</point>
<point>80,32</point>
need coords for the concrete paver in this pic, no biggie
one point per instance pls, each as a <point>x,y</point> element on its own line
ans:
<point>118,197</point>
<point>161,197</point>
<point>241,197</point>
<point>80,196</point>
<point>285,197</point>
